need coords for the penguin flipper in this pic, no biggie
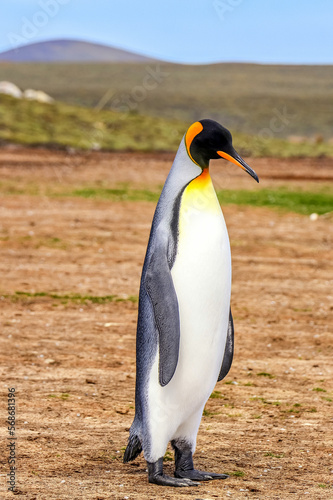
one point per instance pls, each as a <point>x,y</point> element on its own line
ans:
<point>161,290</point>
<point>133,449</point>
<point>229,350</point>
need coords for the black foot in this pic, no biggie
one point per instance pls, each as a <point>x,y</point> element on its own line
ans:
<point>184,464</point>
<point>199,475</point>
<point>156,476</point>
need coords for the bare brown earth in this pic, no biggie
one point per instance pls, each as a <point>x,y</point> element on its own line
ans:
<point>72,363</point>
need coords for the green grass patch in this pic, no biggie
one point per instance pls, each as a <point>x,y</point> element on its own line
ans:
<point>216,395</point>
<point>64,396</point>
<point>52,243</point>
<point>274,455</point>
<point>319,389</point>
<point>303,202</point>
<point>207,413</point>
<point>117,194</point>
<point>11,187</point>
<point>265,374</point>
<point>237,473</point>
<point>74,297</point>
<point>168,457</point>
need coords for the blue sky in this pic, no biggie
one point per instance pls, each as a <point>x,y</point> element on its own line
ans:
<point>190,31</point>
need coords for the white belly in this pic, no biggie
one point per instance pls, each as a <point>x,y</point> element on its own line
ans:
<point>202,278</point>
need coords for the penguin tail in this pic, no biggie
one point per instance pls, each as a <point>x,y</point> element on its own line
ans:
<point>133,449</point>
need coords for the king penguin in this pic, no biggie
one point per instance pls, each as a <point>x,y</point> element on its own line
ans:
<point>185,333</point>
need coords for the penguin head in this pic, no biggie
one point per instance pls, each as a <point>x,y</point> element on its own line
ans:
<point>207,140</point>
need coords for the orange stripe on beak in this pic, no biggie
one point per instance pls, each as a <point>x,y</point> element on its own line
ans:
<point>230,158</point>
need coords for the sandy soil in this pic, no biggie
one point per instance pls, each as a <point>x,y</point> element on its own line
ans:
<point>72,363</point>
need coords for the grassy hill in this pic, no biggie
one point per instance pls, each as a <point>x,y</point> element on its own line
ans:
<point>272,101</point>
<point>61,125</point>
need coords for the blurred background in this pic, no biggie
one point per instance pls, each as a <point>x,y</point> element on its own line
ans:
<point>263,69</point>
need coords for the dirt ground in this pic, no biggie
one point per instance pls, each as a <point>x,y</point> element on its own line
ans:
<point>72,361</point>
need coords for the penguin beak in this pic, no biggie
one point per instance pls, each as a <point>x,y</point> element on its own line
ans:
<point>238,160</point>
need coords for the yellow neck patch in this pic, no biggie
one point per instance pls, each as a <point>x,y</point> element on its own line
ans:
<point>192,132</point>
<point>200,196</point>
<point>201,182</point>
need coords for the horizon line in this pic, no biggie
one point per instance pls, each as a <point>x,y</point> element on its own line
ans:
<point>152,58</point>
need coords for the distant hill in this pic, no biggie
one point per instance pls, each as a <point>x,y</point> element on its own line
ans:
<point>70,51</point>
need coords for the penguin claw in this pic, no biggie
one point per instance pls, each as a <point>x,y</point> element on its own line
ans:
<point>197,475</point>
<point>218,476</point>
<point>164,480</point>
<point>156,476</point>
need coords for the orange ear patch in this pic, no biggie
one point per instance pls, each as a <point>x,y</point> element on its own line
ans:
<point>193,131</point>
